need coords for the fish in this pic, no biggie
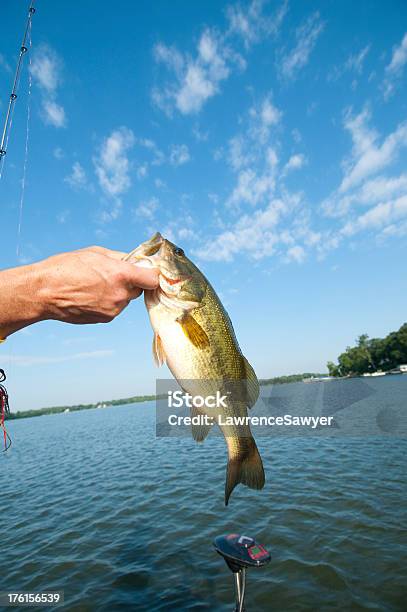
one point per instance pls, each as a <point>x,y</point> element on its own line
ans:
<point>194,336</point>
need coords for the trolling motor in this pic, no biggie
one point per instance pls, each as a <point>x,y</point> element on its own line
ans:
<point>240,552</point>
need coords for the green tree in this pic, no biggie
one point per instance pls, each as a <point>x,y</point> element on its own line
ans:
<point>373,354</point>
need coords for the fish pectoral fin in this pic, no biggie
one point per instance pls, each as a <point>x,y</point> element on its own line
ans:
<point>193,331</point>
<point>200,430</point>
<point>252,384</point>
<point>158,350</point>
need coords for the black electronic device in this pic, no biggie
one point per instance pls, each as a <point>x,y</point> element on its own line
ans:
<point>240,552</point>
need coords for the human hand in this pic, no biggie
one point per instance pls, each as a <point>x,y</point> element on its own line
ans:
<point>92,285</point>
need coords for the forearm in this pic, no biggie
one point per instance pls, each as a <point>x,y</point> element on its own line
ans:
<point>87,286</point>
<point>21,299</point>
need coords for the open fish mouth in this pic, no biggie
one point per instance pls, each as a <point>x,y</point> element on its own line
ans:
<point>151,254</point>
<point>146,250</point>
<point>175,281</point>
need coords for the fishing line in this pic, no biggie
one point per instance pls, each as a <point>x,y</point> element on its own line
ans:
<point>5,136</point>
<point>27,135</point>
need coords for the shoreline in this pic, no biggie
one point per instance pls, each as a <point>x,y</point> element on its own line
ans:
<point>24,414</point>
<point>138,399</point>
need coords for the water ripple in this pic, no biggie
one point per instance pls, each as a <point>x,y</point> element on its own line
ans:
<point>99,507</point>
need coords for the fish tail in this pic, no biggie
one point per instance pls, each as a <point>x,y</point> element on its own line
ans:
<point>244,466</point>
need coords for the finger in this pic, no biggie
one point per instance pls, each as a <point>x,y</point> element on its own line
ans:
<point>115,254</point>
<point>108,252</point>
<point>145,278</point>
<point>134,292</point>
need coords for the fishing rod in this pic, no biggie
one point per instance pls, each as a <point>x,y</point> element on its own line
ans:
<point>4,402</point>
<point>13,96</point>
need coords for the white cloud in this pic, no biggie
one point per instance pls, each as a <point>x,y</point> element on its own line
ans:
<point>112,165</point>
<point>295,162</point>
<point>58,153</point>
<point>250,148</point>
<point>179,155</point>
<point>45,68</point>
<point>270,115</point>
<point>236,156</point>
<point>278,223</point>
<point>252,158</point>
<point>147,208</point>
<point>383,214</point>
<point>77,178</point>
<point>200,135</point>
<point>182,230</point>
<point>306,37</point>
<point>395,69</point>
<point>186,233</point>
<point>257,235</point>
<point>109,214</point>
<point>271,158</point>
<point>158,156</point>
<point>296,134</point>
<point>372,191</point>
<point>354,64</point>
<point>251,187</point>
<point>384,197</point>
<point>251,24</point>
<point>263,117</point>
<point>53,114</point>
<point>142,171</point>
<point>195,79</point>
<point>296,253</point>
<point>46,72</point>
<point>399,58</point>
<point>368,157</point>
<point>169,56</point>
<point>160,184</point>
<point>381,187</point>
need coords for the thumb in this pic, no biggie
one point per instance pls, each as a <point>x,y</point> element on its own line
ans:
<point>146,278</point>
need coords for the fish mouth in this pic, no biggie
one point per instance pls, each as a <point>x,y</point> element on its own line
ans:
<point>145,251</point>
<point>150,253</point>
<point>145,255</point>
<point>175,281</point>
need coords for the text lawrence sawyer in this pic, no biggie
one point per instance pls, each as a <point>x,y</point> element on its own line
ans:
<point>286,420</point>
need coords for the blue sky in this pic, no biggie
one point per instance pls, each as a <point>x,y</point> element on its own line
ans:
<point>268,139</point>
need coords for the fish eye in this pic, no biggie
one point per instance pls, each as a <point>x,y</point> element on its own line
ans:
<point>178,251</point>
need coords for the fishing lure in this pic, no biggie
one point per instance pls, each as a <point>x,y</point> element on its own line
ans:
<point>4,410</point>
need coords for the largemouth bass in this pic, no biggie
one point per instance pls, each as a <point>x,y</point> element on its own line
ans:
<point>194,335</point>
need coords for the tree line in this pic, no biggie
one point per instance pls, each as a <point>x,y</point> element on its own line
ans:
<point>372,354</point>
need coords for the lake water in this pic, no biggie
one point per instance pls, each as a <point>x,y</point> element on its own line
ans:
<point>94,504</point>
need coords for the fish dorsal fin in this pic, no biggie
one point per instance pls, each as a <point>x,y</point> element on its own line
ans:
<point>158,350</point>
<point>252,384</point>
<point>193,331</point>
<point>199,432</point>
